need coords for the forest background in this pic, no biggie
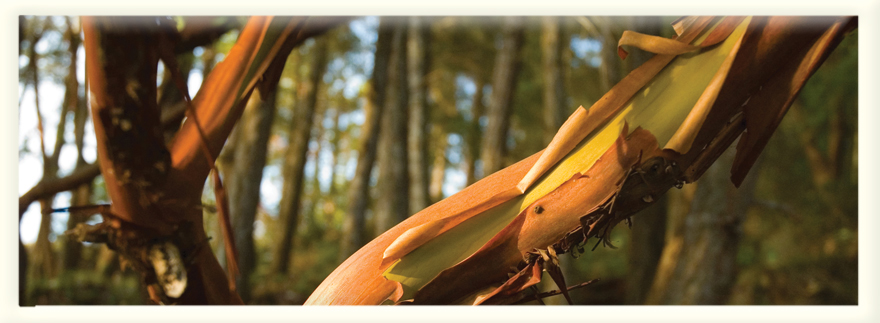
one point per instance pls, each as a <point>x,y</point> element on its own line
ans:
<point>794,228</point>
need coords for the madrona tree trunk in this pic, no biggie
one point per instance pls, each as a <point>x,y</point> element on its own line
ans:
<point>156,188</point>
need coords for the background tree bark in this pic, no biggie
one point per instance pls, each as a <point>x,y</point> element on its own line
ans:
<point>247,173</point>
<point>417,49</point>
<point>706,268</point>
<point>504,81</point>
<point>438,169</point>
<point>295,158</point>
<point>44,260</point>
<point>392,204</point>
<point>554,93</point>
<point>475,135</point>
<point>358,193</point>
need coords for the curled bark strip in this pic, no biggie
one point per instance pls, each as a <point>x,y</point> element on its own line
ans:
<point>396,294</point>
<point>666,46</point>
<point>653,44</point>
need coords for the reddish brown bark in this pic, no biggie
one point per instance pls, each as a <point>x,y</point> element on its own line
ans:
<point>155,191</point>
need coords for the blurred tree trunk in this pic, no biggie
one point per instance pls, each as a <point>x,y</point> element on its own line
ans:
<point>649,227</point>
<point>826,164</point>
<point>706,267</point>
<point>646,247</point>
<point>315,196</point>
<point>417,68</point>
<point>226,165</point>
<point>72,251</point>
<point>554,93</point>
<point>504,80</point>
<point>246,174</point>
<point>392,205</point>
<point>44,258</point>
<point>438,169</point>
<point>330,201</point>
<point>22,273</point>
<point>475,134</point>
<point>295,157</point>
<point>337,138</point>
<point>358,192</point>
<point>23,263</point>
<point>610,70</point>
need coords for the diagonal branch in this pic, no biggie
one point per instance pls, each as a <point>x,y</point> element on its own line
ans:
<point>220,103</point>
<point>49,187</point>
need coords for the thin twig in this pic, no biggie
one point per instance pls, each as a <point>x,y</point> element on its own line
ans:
<point>552,292</point>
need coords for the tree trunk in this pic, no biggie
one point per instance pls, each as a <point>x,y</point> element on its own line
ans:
<point>554,93</point>
<point>649,228</point>
<point>475,135</point>
<point>315,196</point>
<point>43,258</point>
<point>247,173</point>
<point>706,268</point>
<point>610,70</point>
<point>337,136</point>
<point>503,86</point>
<point>358,192</point>
<point>417,69</point>
<point>295,157</point>
<point>646,247</point>
<point>22,273</point>
<point>438,169</point>
<point>392,205</point>
<point>81,195</point>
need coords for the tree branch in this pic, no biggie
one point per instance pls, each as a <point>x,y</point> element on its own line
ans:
<point>49,187</point>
